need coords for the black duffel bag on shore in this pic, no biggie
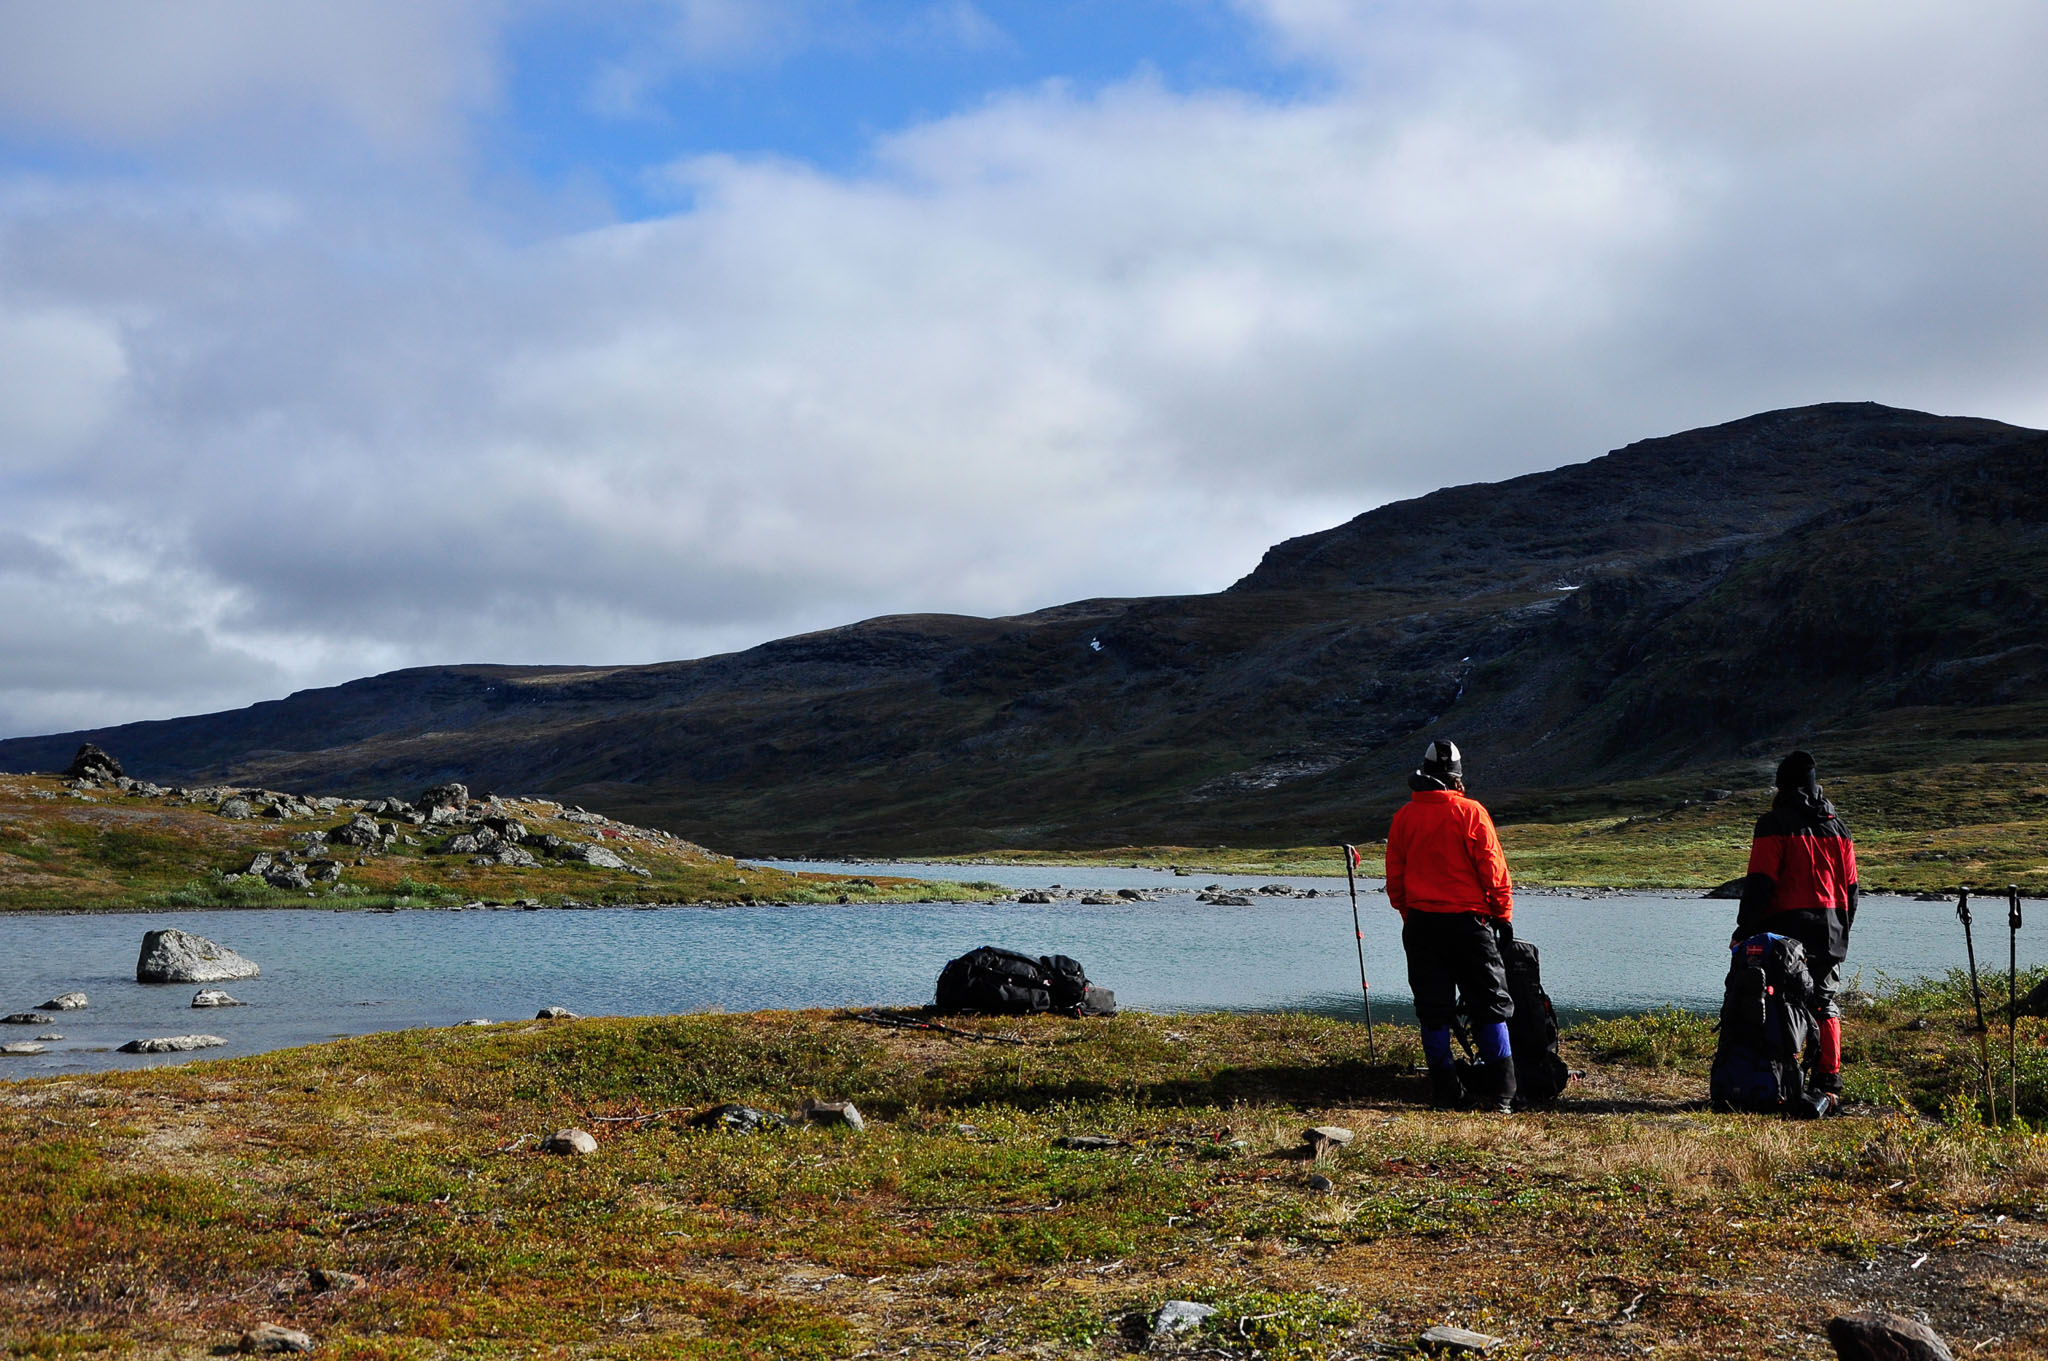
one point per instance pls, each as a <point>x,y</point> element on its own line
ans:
<point>996,982</point>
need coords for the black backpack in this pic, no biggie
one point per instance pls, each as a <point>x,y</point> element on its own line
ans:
<point>999,982</point>
<point>1766,1023</point>
<point>1540,1073</point>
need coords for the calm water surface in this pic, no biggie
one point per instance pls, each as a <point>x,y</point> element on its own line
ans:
<point>327,974</point>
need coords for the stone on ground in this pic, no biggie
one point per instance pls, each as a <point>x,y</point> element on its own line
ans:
<point>1180,1316</point>
<point>556,1014</point>
<point>834,1113</point>
<point>174,956</point>
<point>1446,1340</point>
<point>569,1141</point>
<point>740,1119</point>
<point>1878,1336</point>
<point>273,1337</point>
<point>327,1281</point>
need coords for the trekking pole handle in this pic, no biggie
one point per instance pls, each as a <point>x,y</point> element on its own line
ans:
<point>1963,905</point>
<point>2012,899</point>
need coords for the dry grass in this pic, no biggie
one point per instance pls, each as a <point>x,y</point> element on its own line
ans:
<point>158,1213</point>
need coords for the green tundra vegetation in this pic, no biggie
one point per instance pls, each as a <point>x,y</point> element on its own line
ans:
<point>386,1194</point>
<point>66,849</point>
<point>1983,824</point>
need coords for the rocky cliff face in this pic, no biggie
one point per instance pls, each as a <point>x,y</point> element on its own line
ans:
<point>1854,575</point>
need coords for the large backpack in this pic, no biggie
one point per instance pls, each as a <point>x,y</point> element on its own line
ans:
<point>1766,1023</point>
<point>1540,1072</point>
<point>1005,983</point>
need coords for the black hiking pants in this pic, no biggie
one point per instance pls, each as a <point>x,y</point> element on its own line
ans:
<point>1826,942</point>
<point>1450,953</point>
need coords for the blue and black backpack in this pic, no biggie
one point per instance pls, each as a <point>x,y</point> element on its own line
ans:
<point>1767,1022</point>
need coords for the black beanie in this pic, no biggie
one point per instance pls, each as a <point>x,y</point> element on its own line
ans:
<point>1796,772</point>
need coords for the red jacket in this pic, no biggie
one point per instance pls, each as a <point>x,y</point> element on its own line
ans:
<point>1444,856</point>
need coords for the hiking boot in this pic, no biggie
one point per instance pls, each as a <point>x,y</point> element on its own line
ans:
<point>1831,1083</point>
<point>1446,1092</point>
<point>1495,1088</point>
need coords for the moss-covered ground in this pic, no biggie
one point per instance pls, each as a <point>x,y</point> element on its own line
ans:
<point>160,1213</point>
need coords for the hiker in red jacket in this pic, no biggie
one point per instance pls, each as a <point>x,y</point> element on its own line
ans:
<point>1448,879</point>
<point>1802,884</point>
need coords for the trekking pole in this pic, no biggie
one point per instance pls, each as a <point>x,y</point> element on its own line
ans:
<point>2012,1000</point>
<point>1372,1045</point>
<point>1977,996</point>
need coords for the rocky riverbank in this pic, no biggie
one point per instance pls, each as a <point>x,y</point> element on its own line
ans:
<point>93,837</point>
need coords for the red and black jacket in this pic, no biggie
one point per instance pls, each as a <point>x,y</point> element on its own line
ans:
<point>1802,874</point>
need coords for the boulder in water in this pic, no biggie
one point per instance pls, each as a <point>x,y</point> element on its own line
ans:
<point>172,1044</point>
<point>1731,890</point>
<point>214,997</point>
<point>26,1018</point>
<point>70,1001</point>
<point>174,956</point>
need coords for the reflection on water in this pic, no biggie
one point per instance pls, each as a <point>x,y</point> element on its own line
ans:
<point>335,973</point>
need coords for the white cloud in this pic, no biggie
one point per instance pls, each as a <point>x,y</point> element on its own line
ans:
<point>146,73</point>
<point>1064,344</point>
<point>60,380</point>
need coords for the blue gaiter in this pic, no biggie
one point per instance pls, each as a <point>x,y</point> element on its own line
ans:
<point>1436,1046</point>
<point>1493,1042</point>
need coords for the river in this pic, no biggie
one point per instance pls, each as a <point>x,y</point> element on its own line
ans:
<point>333,973</point>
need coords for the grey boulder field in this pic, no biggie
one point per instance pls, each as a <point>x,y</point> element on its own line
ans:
<point>174,956</point>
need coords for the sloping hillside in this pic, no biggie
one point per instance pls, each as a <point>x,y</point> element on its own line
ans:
<point>1862,578</point>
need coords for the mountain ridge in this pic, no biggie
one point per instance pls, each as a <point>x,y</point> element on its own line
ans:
<point>1848,573</point>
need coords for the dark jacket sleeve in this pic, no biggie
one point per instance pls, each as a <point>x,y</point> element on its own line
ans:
<point>1760,887</point>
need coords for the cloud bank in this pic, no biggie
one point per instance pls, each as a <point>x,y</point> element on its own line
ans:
<point>296,383</point>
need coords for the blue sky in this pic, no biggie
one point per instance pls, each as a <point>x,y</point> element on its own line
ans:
<point>608,99</point>
<point>338,338</point>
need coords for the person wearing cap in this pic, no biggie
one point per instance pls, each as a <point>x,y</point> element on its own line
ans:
<point>1447,877</point>
<point>1802,883</point>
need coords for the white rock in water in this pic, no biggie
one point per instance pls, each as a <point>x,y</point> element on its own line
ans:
<point>172,1044</point>
<point>70,1001</point>
<point>570,1141</point>
<point>174,956</point>
<point>21,1048</point>
<point>214,997</point>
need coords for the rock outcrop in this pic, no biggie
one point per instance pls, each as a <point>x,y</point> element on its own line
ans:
<point>91,763</point>
<point>174,956</point>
